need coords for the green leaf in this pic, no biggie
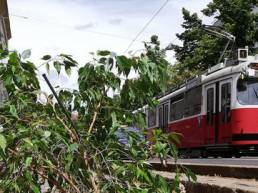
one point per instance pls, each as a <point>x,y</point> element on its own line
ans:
<point>9,80</point>
<point>73,147</point>
<point>102,60</point>
<point>2,69</point>
<point>191,175</point>
<point>3,54</point>
<point>124,64</point>
<point>13,59</point>
<point>103,52</point>
<point>134,152</point>
<point>174,137</point>
<point>57,66</point>
<point>35,189</point>
<point>28,141</point>
<point>28,176</point>
<point>49,163</point>
<point>26,54</point>
<point>114,119</point>
<point>46,57</point>
<point>13,111</point>
<point>2,142</point>
<point>28,66</point>
<point>68,57</point>
<point>47,134</point>
<point>68,70</point>
<point>28,161</point>
<point>69,64</point>
<point>47,67</point>
<point>142,173</point>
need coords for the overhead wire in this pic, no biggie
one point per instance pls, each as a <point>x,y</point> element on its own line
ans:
<point>118,36</point>
<point>70,27</point>
<point>73,27</point>
<point>146,25</point>
<point>104,33</point>
<point>19,16</point>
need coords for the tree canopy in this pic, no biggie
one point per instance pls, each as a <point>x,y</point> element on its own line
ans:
<point>41,147</point>
<point>200,50</point>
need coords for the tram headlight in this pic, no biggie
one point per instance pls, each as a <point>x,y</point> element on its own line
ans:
<point>242,76</point>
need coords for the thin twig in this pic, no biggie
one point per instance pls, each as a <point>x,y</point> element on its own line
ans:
<point>64,175</point>
<point>73,135</point>
<point>94,185</point>
<point>104,160</point>
<point>67,178</point>
<point>53,181</point>
<point>94,118</point>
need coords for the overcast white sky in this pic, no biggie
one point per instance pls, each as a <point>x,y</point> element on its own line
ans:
<point>78,27</point>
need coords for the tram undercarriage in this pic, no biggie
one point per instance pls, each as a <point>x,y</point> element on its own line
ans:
<point>222,150</point>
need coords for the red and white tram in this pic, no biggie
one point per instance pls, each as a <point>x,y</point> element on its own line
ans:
<point>216,113</point>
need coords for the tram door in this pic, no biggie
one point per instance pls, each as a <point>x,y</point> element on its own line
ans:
<point>163,116</point>
<point>225,111</point>
<point>210,129</point>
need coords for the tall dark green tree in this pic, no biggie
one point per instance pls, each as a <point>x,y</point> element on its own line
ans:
<point>201,50</point>
<point>237,17</point>
<point>189,37</point>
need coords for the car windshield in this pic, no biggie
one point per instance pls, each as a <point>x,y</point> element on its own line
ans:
<point>247,91</point>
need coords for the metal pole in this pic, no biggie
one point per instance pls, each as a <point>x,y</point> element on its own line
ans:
<point>58,100</point>
<point>224,51</point>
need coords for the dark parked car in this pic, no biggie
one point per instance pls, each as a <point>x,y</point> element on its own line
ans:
<point>124,133</point>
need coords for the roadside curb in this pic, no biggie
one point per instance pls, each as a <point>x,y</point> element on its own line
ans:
<point>213,170</point>
<point>207,188</point>
<point>212,184</point>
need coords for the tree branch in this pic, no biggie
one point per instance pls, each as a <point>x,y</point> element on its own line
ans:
<point>68,179</point>
<point>94,118</point>
<point>53,181</point>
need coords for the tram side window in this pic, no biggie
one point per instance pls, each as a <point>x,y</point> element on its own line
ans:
<point>225,102</point>
<point>193,100</point>
<point>177,108</point>
<point>210,106</point>
<point>152,118</point>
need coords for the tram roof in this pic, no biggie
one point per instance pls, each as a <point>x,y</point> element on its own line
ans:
<point>208,77</point>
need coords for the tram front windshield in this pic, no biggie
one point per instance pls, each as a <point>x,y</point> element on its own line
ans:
<point>247,91</point>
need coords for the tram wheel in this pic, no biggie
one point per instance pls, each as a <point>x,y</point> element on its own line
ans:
<point>227,155</point>
<point>204,154</point>
<point>237,155</point>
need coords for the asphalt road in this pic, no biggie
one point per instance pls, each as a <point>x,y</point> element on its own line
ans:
<point>244,161</point>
